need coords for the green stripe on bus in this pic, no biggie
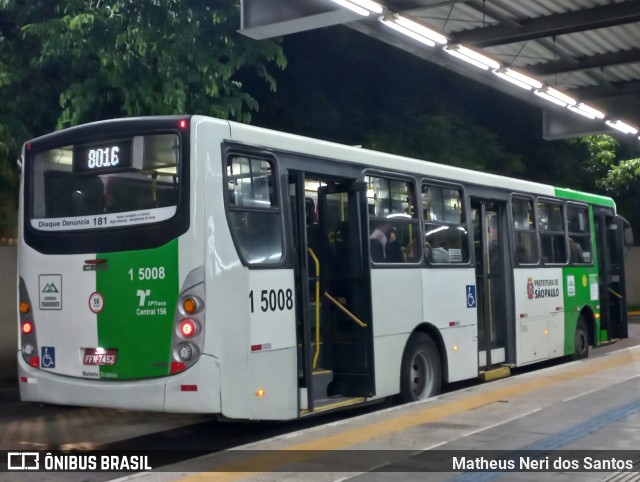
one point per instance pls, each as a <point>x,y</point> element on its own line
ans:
<point>584,197</point>
<point>140,290</point>
<point>578,283</point>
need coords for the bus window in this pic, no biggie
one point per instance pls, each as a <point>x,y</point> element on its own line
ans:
<point>80,181</point>
<point>446,236</point>
<point>393,221</point>
<point>579,234</point>
<point>254,213</point>
<point>526,241</point>
<point>552,233</point>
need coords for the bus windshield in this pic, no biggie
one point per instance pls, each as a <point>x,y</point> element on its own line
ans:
<point>107,184</point>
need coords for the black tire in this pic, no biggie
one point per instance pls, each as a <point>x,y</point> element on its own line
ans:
<point>582,340</point>
<point>421,369</point>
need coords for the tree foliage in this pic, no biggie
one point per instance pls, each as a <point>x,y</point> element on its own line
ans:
<point>74,61</point>
<point>602,159</point>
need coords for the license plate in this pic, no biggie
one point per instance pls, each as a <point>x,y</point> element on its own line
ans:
<point>97,356</point>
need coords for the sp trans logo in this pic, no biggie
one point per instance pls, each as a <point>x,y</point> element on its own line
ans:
<point>50,291</point>
<point>67,462</point>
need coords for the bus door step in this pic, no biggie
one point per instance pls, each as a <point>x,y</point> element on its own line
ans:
<point>495,373</point>
<point>320,381</point>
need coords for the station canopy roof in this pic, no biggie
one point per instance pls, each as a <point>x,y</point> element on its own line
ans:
<point>578,60</point>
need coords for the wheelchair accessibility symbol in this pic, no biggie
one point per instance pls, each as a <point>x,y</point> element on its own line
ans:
<point>471,296</point>
<point>48,358</point>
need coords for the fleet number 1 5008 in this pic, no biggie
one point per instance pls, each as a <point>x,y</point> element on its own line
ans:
<point>273,300</point>
<point>144,274</point>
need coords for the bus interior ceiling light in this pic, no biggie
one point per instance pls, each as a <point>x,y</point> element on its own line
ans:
<point>472,57</point>
<point>361,7</point>
<point>622,127</point>
<point>516,78</point>
<point>414,30</point>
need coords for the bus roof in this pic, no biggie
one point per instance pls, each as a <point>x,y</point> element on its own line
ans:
<point>356,155</point>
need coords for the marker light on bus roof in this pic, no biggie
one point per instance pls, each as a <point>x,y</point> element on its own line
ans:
<point>182,124</point>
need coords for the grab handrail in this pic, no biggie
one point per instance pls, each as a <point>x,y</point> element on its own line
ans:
<point>317,283</point>
<point>345,310</point>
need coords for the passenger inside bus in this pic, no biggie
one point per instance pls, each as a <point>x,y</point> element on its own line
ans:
<point>393,253</point>
<point>575,251</point>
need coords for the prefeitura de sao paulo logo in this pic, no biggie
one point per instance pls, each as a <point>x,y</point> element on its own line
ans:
<point>530,288</point>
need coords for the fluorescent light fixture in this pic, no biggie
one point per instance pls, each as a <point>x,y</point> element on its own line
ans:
<point>353,7</point>
<point>594,112</point>
<point>472,57</point>
<point>550,98</point>
<point>391,23</point>
<point>622,127</point>
<point>560,96</point>
<point>519,79</point>
<point>503,75</point>
<point>420,29</point>
<point>583,113</point>
<point>369,5</point>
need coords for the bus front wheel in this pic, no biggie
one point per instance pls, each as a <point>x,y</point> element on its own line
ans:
<point>421,371</point>
<point>582,340</point>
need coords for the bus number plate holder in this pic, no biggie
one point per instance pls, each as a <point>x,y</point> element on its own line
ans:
<point>96,356</point>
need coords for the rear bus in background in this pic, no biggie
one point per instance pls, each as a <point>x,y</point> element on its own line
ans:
<point>190,264</point>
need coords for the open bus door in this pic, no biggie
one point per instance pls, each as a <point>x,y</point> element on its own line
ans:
<point>334,294</point>
<point>492,268</point>
<point>612,234</point>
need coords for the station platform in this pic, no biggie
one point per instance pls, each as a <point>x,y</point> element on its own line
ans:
<point>573,421</point>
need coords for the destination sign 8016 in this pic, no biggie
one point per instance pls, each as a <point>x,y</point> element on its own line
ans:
<point>102,157</point>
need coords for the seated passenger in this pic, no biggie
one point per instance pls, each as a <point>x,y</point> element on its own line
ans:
<point>438,254</point>
<point>393,250</point>
<point>575,250</point>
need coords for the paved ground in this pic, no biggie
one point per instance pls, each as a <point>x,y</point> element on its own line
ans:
<point>562,412</point>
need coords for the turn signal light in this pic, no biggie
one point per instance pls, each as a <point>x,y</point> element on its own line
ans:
<point>27,327</point>
<point>24,307</point>
<point>190,305</point>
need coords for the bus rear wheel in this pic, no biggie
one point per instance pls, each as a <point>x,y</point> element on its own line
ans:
<point>582,340</point>
<point>421,370</point>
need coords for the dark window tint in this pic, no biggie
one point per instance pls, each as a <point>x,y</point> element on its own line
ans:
<point>526,240</point>
<point>552,233</point>
<point>254,213</point>
<point>446,235</point>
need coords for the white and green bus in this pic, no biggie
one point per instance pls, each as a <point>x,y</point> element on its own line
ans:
<point>190,264</point>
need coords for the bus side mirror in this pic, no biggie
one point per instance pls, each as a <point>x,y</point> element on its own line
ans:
<point>628,236</point>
